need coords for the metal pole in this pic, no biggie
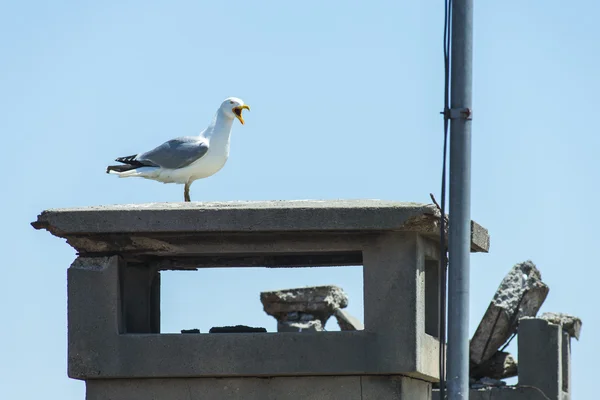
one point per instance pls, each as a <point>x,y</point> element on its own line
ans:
<point>459,238</point>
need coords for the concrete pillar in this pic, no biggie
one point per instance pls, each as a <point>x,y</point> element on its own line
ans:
<point>140,298</point>
<point>543,357</point>
<point>94,314</point>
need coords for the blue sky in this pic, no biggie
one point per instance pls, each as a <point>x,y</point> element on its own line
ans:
<point>345,103</point>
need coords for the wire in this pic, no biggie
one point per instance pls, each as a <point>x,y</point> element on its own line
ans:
<point>443,250</point>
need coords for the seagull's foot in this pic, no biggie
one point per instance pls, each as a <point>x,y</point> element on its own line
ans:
<point>186,193</point>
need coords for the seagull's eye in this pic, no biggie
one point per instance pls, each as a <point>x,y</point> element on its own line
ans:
<point>231,102</point>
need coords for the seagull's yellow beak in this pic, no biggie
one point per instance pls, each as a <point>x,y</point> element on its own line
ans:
<point>238,112</point>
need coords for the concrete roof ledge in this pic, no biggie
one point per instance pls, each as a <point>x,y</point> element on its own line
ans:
<point>251,216</point>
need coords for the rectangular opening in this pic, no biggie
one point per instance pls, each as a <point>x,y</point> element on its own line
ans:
<point>221,297</point>
<point>196,294</point>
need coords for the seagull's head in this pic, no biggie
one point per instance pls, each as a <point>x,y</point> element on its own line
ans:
<point>232,107</point>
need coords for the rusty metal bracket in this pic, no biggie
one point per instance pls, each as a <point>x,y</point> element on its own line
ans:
<point>458,113</point>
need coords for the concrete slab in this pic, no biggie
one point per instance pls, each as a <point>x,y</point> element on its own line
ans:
<point>244,217</point>
<point>318,301</point>
<point>520,294</point>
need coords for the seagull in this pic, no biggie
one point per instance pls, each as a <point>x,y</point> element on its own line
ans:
<point>185,159</point>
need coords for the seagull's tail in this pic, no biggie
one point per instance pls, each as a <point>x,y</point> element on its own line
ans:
<point>130,167</point>
<point>117,169</point>
<point>127,171</point>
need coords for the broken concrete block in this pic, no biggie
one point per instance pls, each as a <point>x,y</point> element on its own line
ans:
<point>500,366</point>
<point>520,294</point>
<point>319,301</point>
<point>570,323</point>
<point>347,322</point>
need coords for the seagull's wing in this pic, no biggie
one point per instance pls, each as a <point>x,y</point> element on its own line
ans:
<point>174,154</point>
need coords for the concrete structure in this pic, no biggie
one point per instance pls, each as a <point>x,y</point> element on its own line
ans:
<point>544,367</point>
<point>115,343</point>
<point>520,294</point>
<point>304,309</point>
<point>570,323</point>
<point>545,358</point>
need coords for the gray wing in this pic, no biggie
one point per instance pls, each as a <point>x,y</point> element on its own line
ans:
<point>176,153</point>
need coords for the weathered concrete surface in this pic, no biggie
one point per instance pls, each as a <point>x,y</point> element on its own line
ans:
<point>283,388</point>
<point>83,227</point>
<point>316,302</point>
<point>521,294</point>
<point>93,313</point>
<point>570,323</point>
<point>544,357</point>
<point>347,322</point>
<point>500,366</point>
<point>394,299</point>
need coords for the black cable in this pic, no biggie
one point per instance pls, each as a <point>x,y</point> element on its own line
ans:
<point>443,251</point>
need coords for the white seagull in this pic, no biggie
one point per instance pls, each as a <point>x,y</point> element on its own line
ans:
<point>186,159</point>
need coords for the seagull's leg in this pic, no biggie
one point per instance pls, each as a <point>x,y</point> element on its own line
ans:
<point>186,192</point>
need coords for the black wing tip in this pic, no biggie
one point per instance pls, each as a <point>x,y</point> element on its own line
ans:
<point>127,159</point>
<point>130,161</point>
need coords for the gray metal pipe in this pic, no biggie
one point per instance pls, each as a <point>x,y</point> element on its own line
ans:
<point>459,235</point>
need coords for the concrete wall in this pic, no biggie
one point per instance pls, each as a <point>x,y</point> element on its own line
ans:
<point>284,388</point>
<point>114,315</point>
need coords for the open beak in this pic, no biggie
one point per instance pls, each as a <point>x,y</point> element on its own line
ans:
<point>238,112</point>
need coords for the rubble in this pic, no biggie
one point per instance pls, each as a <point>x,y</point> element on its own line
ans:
<point>570,323</point>
<point>304,304</point>
<point>500,366</point>
<point>308,309</point>
<point>520,294</point>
